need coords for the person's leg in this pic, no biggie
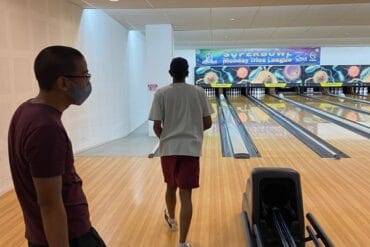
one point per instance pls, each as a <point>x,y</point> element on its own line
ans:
<point>169,164</point>
<point>186,213</point>
<point>171,200</point>
<point>188,179</point>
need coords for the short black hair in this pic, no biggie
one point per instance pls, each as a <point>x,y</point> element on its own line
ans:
<point>179,68</point>
<point>55,61</point>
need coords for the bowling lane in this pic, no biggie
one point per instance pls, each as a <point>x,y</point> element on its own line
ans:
<point>347,141</point>
<point>212,141</point>
<point>271,139</point>
<point>347,102</point>
<point>336,110</point>
<point>361,97</point>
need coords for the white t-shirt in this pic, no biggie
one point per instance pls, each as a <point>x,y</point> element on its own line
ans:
<point>181,108</point>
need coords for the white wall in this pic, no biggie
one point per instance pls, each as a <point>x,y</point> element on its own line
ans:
<point>159,52</point>
<point>104,116</point>
<point>26,27</point>
<point>138,90</point>
<point>345,55</point>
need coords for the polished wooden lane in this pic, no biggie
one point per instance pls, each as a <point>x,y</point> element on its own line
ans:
<point>212,136</point>
<point>336,110</point>
<point>337,136</point>
<point>361,97</point>
<point>126,200</point>
<point>346,102</point>
<point>269,137</point>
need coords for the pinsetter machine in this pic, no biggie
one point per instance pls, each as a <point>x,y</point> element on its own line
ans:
<point>273,211</point>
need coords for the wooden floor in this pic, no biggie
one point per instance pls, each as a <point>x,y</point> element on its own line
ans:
<point>126,197</point>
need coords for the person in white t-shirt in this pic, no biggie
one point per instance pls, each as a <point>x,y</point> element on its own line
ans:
<point>181,112</point>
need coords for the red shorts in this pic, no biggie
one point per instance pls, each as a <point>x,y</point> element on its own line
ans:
<point>181,171</point>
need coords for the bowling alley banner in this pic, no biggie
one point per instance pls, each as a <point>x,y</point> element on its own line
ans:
<point>258,56</point>
<point>336,74</point>
<point>327,75</point>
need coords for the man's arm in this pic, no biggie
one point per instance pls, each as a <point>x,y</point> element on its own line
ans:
<point>54,218</point>
<point>157,127</point>
<point>207,122</point>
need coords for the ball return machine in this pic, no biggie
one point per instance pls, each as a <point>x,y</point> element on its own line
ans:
<point>273,211</point>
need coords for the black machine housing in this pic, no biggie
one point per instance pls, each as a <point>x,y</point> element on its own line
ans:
<point>273,210</point>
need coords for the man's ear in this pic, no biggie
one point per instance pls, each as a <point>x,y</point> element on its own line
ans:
<point>62,83</point>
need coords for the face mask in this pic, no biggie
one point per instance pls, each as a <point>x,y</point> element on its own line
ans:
<point>79,93</point>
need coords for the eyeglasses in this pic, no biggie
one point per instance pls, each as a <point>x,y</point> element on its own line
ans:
<point>87,76</point>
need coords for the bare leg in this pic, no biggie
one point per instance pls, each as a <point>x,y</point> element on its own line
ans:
<point>186,213</point>
<point>171,200</point>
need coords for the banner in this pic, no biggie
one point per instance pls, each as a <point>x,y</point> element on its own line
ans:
<point>337,73</point>
<point>325,75</point>
<point>258,56</point>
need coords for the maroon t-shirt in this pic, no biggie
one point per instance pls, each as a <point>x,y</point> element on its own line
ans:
<point>39,147</point>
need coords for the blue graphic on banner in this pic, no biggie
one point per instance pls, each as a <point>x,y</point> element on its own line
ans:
<point>257,57</point>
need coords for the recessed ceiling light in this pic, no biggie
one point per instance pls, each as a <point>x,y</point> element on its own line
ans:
<point>232,19</point>
<point>114,0</point>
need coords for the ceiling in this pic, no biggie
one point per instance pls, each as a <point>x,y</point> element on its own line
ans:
<point>253,23</point>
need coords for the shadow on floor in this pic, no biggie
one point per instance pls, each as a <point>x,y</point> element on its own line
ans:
<point>137,143</point>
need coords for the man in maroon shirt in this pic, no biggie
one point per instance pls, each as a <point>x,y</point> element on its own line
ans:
<point>49,190</point>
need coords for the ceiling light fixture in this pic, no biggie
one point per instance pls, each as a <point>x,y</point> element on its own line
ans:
<point>114,0</point>
<point>232,19</point>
